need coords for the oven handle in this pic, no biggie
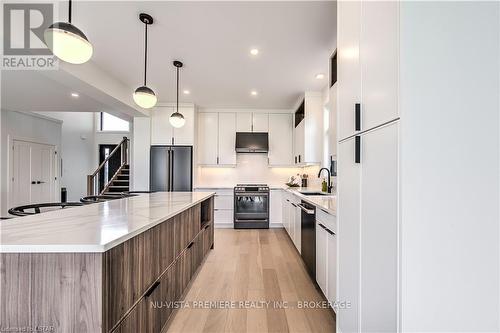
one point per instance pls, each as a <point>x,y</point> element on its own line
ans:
<point>247,194</point>
<point>252,220</point>
<point>308,211</point>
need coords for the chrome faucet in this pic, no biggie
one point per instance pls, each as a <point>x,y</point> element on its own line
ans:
<point>329,188</point>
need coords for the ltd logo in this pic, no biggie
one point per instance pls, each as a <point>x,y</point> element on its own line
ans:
<point>24,25</point>
<point>23,43</point>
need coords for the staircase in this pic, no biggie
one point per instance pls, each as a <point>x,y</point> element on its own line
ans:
<point>121,182</point>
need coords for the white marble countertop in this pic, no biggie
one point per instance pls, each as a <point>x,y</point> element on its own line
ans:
<point>95,227</point>
<point>327,202</point>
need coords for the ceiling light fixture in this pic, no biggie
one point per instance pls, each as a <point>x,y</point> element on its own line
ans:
<point>320,76</point>
<point>145,96</point>
<point>177,119</point>
<point>186,92</point>
<point>75,95</point>
<point>67,42</point>
<point>254,52</point>
<point>253,93</point>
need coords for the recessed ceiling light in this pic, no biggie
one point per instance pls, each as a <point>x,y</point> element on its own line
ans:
<point>75,95</point>
<point>254,52</point>
<point>186,92</point>
<point>320,76</point>
<point>253,93</point>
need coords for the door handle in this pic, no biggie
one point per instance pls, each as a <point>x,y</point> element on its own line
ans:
<point>357,116</point>
<point>33,182</point>
<point>357,149</point>
<point>40,182</point>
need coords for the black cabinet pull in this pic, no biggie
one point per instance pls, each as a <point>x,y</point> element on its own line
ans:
<point>207,226</point>
<point>357,116</point>
<point>299,158</point>
<point>357,149</point>
<point>33,182</point>
<point>151,289</point>
<point>295,159</point>
<point>322,226</point>
<point>190,244</point>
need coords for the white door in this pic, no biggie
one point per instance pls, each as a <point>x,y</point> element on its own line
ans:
<point>379,229</point>
<point>33,173</point>
<point>321,257</point>
<point>348,225</point>
<point>227,138</point>
<point>243,122</point>
<point>280,139</point>
<point>299,146</point>
<point>208,132</point>
<point>348,68</point>
<point>260,122</point>
<point>332,268</point>
<point>379,49</point>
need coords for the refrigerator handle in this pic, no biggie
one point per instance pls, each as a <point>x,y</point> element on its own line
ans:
<point>171,170</point>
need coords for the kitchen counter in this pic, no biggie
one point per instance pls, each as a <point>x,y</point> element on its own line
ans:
<point>326,202</point>
<point>96,227</point>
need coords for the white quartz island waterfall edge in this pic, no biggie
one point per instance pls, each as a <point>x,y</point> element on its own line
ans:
<point>95,227</point>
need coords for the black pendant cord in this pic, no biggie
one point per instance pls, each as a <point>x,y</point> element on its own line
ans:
<point>69,9</point>
<point>177,89</point>
<point>145,53</point>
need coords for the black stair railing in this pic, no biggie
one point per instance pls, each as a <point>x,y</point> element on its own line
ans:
<point>93,186</point>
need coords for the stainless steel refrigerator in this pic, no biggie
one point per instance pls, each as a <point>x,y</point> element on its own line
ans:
<point>171,168</point>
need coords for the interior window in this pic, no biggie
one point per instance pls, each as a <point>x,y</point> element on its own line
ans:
<point>112,123</point>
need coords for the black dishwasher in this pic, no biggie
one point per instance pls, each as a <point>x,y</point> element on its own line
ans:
<point>308,237</point>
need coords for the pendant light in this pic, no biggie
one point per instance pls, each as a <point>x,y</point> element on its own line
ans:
<point>67,42</point>
<point>145,96</point>
<point>177,119</point>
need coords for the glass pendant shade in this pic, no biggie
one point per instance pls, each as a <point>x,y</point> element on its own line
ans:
<point>68,43</point>
<point>145,97</point>
<point>177,120</point>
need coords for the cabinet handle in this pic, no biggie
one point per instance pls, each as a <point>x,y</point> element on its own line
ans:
<point>151,289</point>
<point>295,159</point>
<point>207,226</point>
<point>217,159</point>
<point>357,116</point>
<point>357,149</point>
<point>190,244</point>
<point>299,158</point>
<point>172,141</point>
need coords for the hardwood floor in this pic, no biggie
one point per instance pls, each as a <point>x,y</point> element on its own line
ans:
<point>252,265</point>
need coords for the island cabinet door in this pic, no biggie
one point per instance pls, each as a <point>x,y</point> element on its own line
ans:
<point>187,226</point>
<point>161,301</point>
<point>208,238</point>
<point>183,269</point>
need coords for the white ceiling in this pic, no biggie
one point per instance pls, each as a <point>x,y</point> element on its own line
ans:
<point>213,39</point>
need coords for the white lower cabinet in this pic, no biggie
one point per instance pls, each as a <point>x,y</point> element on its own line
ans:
<point>275,210</point>
<point>331,249</point>
<point>321,258</point>
<point>223,206</point>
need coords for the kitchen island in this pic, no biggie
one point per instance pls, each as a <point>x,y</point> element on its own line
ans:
<point>104,267</point>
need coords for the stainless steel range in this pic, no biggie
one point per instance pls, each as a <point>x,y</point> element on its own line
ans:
<point>251,206</point>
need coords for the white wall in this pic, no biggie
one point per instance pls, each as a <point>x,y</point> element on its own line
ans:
<point>450,166</point>
<point>77,151</point>
<point>29,127</point>
<point>251,168</point>
<point>139,172</point>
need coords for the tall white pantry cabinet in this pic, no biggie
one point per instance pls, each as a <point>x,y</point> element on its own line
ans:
<point>403,263</point>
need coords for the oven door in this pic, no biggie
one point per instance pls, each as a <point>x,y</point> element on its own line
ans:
<point>251,206</point>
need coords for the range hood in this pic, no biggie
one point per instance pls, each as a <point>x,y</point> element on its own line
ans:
<point>252,142</point>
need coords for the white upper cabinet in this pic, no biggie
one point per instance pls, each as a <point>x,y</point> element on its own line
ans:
<point>368,64</point>
<point>227,138</point>
<point>252,122</point>
<point>260,122</point>
<point>379,52</point>
<point>243,121</point>
<point>308,141</point>
<point>208,133</point>
<point>162,133</point>
<point>280,139</point>
<point>348,66</point>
